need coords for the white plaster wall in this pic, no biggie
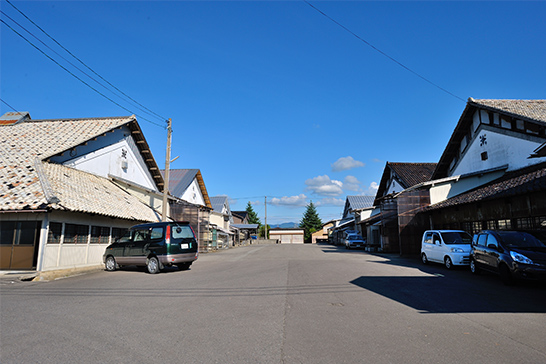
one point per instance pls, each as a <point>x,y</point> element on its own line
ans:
<point>193,194</point>
<point>106,155</point>
<point>394,187</point>
<point>442,191</point>
<point>501,147</point>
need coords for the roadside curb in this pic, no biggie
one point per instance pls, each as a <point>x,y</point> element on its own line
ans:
<point>52,275</point>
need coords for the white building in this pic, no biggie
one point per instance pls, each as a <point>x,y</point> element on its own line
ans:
<point>70,186</point>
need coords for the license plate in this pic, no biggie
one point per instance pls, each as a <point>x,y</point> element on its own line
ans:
<point>185,246</point>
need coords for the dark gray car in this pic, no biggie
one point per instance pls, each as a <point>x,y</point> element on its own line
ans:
<point>511,254</point>
<point>154,246</point>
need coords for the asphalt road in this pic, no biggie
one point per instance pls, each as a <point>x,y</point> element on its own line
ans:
<point>276,304</point>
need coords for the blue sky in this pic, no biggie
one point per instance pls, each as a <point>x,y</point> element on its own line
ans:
<point>271,98</point>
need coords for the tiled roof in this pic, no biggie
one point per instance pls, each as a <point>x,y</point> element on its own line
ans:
<point>25,179</point>
<point>80,191</point>
<point>530,109</point>
<point>218,202</point>
<point>412,174</point>
<point>525,180</point>
<point>181,179</point>
<point>46,138</point>
<point>360,202</point>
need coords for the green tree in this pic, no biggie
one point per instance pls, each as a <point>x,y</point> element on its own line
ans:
<point>252,216</point>
<point>261,231</point>
<point>310,222</point>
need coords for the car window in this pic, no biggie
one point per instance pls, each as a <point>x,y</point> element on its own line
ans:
<point>482,239</point>
<point>436,238</point>
<point>157,233</point>
<point>141,235</point>
<point>428,238</point>
<point>125,238</point>
<point>520,240</point>
<point>492,241</point>
<point>181,232</point>
<point>456,237</point>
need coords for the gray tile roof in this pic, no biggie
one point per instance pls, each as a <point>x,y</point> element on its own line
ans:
<point>80,191</point>
<point>360,202</point>
<point>218,202</point>
<point>530,109</point>
<point>25,180</point>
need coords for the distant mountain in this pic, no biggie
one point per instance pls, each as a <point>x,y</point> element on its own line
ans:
<point>285,225</point>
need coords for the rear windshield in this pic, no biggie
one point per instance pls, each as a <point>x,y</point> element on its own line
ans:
<point>520,240</point>
<point>181,232</point>
<point>456,237</point>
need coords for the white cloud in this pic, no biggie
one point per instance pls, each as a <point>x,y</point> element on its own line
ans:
<point>345,163</point>
<point>351,183</point>
<point>324,186</point>
<point>372,190</point>
<point>300,200</point>
<point>330,201</point>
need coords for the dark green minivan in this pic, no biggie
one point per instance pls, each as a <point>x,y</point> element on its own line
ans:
<point>154,246</point>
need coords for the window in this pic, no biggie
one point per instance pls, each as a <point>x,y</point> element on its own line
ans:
<point>118,233</point>
<point>157,233</point>
<point>7,232</point>
<point>54,233</point>
<point>77,234</point>
<point>492,242</point>
<point>100,234</point>
<point>428,238</point>
<point>505,224</point>
<point>20,232</point>
<point>492,224</point>
<point>482,239</point>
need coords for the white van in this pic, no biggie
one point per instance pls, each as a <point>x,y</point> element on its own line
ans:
<point>450,247</point>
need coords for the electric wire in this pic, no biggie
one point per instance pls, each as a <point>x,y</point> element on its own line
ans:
<point>66,60</point>
<point>8,105</point>
<point>150,112</point>
<point>381,52</point>
<point>78,78</point>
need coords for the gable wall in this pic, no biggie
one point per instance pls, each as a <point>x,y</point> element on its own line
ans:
<point>505,141</point>
<point>193,194</point>
<point>108,155</point>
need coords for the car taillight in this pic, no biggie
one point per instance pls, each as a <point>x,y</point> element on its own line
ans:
<point>168,235</point>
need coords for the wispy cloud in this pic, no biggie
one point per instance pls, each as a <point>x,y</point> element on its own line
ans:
<point>345,163</point>
<point>351,183</point>
<point>300,200</point>
<point>330,201</point>
<point>324,186</point>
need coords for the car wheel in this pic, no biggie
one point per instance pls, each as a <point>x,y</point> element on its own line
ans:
<point>474,267</point>
<point>506,275</point>
<point>448,263</point>
<point>424,258</point>
<point>152,265</point>
<point>110,263</point>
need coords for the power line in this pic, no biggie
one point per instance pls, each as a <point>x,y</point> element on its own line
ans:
<point>8,105</point>
<point>381,52</point>
<point>150,112</point>
<point>78,78</point>
<point>66,60</point>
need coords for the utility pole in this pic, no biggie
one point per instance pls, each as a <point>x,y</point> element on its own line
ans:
<point>166,178</point>
<point>265,226</point>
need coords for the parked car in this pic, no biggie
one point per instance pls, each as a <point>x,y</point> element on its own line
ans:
<point>450,247</point>
<point>511,254</point>
<point>154,246</point>
<point>354,241</point>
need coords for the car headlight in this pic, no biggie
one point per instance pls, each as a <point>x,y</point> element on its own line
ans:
<point>457,250</point>
<point>520,258</point>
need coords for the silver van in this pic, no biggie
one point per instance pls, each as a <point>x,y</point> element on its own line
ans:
<point>450,247</point>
